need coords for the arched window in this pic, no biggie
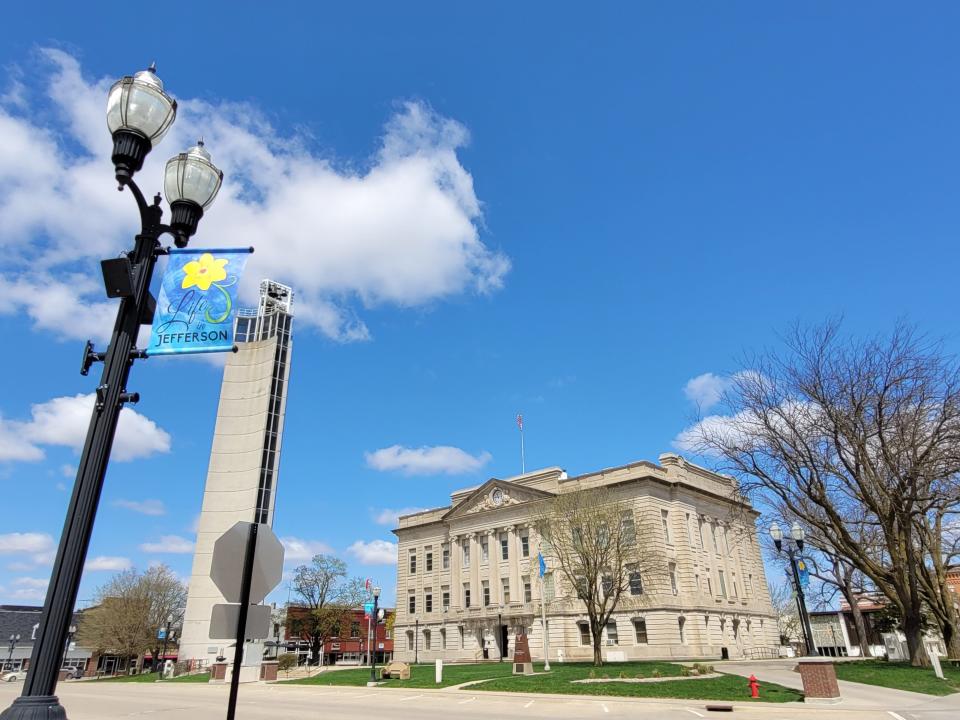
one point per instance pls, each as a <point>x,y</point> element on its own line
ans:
<point>426,639</point>
<point>640,631</point>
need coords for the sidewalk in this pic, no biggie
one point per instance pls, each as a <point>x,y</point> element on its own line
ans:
<point>853,695</point>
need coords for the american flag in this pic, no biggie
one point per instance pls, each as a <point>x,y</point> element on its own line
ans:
<point>520,421</point>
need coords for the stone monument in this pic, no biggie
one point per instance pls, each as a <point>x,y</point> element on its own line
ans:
<point>522,663</point>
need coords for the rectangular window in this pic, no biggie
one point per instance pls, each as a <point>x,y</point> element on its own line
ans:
<point>466,555</point>
<point>628,528</point>
<point>460,633</point>
<point>485,585</point>
<point>636,582</point>
<point>700,530</point>
<point>525,546</point>
<point>549,589</point>
<point>466,595</point>
<point>665,521</point>
<point>504,547</point>
<point>723,583</point>
<point>607,584</point>
<point>428,601</point>
<point>527,590</point>
<point>443,638</point>
<point>428,561</point>
<point>689,529</point>
<point>354,629</point>
<point>484,550</point>
<point>445,597</point>
<point>640,631</point>
<point>446,557</point>
<point>584,633</point>
<point>426,639</point>
<point>673,578</point>
<point>411,604</point>
<point>681,621</point>
<point>505,587</point>
<point>749,584</point>
<point>709,585</point>
<point>413,562</point>
<point>612,637</point>
<point>733,584</point>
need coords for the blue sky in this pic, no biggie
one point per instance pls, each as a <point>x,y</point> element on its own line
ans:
<point>569,211</point>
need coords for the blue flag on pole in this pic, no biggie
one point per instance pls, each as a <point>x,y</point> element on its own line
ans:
<point>804,573</point>
<point>197,302</point>
<point>543,564</point>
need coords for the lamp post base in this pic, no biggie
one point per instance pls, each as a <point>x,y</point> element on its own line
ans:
<point>35,707</point>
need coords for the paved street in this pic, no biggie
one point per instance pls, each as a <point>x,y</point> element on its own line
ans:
<point>102,701</point>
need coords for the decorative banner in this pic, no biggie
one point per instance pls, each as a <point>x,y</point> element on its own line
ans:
<point>197,302</point>
<point>804,573</point>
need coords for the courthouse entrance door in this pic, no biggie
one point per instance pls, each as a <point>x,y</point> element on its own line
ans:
<point>504,649</point>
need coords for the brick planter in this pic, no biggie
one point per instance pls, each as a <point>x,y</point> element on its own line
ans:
<point>268,671</point>
<point>819,680</point>
<point>218,672</point>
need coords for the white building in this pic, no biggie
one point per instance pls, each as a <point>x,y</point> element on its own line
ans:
<point>467,576</point>
<point>242,475</point>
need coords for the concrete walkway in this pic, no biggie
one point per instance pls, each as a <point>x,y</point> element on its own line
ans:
<point>854,696</point>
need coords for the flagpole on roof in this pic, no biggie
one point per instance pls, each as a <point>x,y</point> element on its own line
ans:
<point>523,464</point>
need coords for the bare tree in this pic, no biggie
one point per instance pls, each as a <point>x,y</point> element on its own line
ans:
<point>592,538</point>
<point>847,435</point>
<point>784,605</point>
<point>130,609</point>
<point>327,598</point>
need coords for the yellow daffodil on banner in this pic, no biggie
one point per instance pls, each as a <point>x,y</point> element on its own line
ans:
<point>204,272</point>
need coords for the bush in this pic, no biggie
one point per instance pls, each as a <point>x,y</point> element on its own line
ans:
<point>655,673</point>
<point>592,675</point>
<point>287,662</point>
<point>684,671</point>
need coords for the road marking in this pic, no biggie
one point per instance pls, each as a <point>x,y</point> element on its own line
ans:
<point>529,704</point>
<point>894,715</point>
<point>694,712</point>
<point>605,708</point>
<point>414,697</point>
<point>463,702</point>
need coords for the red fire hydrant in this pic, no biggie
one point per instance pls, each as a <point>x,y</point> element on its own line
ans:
<point>754,687</point>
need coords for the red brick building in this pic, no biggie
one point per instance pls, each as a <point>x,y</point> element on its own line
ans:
<point>348,646</point>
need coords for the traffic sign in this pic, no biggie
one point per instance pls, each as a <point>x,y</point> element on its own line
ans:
<point>226,568</point>
<point>224,619</point>
<point>162,634</point>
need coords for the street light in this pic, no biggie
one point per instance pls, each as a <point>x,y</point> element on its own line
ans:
<point>14,639</point>
<point>793,552</point>
<point>139,113</point>
<point>372,644</point>
<point>166,638</point>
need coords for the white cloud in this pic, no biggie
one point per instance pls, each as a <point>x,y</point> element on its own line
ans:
<point>169,544</point>
<point>705,390</point>
<point>298,549</point>
<point>375,552</point>
<point>388,516</point>
<point>144,507</point>
<point>68,471</point>
<point>31,582</point>
<point>14,446</point>
<point>401,229</point>
<point>108,562</point>
<point>25,543</point>
<point>426,460</point>
<point>24,589</point>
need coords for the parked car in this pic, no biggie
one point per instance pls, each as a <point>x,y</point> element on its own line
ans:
<point>14,675</point>
<point>73,673</point>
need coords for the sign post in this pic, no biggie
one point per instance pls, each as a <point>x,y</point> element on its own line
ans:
<point>262,566</point>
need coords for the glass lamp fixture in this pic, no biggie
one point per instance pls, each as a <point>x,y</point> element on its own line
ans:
<point>191,182</point>
<point>776,533</point>
<point>796,532</point>
<point>139,113</point>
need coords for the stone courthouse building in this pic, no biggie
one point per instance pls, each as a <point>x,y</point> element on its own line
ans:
<point>468,579</point>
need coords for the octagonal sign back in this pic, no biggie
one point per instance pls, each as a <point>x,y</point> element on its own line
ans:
<point>226,568</point>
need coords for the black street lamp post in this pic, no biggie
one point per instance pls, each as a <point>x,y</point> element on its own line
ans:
<point>14,639</point>
<point>166,638</point>
<point>416,642</point>
<point>139,113</point>
<point>372,643</point>
<point>794,553</point>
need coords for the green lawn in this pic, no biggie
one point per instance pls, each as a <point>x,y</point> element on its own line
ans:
<point>499,677</point>
<point>900,676</point>
<point>153,677</point>
<point>559,680</point>
<point>421,676</point>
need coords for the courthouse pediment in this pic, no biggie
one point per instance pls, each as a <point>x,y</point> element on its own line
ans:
<point>495,494</point>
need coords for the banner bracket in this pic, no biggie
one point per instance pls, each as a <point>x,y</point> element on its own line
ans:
<point>90,356</point>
